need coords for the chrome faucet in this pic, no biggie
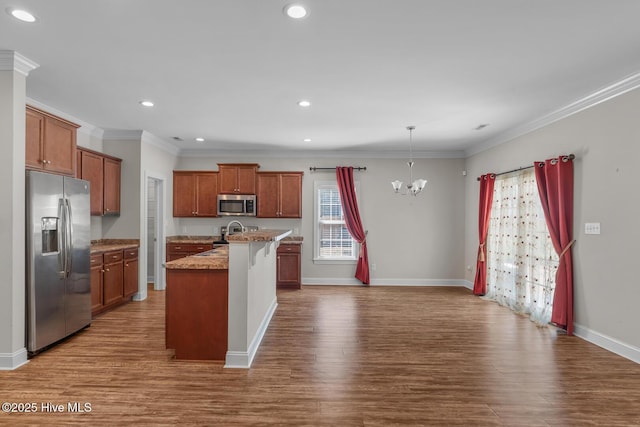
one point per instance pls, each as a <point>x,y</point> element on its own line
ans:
<point>229,226</point>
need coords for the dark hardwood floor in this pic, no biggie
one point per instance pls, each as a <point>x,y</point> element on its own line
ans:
<point>336,356</point>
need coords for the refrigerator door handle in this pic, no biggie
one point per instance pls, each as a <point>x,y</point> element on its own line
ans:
<point>62,239</point>
<point>69,238</point>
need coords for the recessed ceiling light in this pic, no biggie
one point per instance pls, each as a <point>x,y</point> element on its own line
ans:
<point>307,140</point>
<point>22,15</point>
<point>304,103</point>
<point>295,11</point>
<point>199,139</point>
<point>146,103</point>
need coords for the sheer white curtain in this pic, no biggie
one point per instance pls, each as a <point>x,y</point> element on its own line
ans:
<point>521,261</point>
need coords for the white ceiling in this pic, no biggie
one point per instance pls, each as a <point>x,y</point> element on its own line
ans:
<point>232,71</point>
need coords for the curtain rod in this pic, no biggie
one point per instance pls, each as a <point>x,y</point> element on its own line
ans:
<point>564,158</point>
<point>356,168</point>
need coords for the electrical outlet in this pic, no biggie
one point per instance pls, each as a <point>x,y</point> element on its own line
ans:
<point>592,228</point>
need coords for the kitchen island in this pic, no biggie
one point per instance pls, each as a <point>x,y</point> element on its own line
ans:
<point>220,302</point>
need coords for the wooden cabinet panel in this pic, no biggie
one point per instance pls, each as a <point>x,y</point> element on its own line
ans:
<point>50,143</point>
<point>291,195</point>
<point>113,290</point>
<point>196,321</point>
<point>228,180</point>
<point>279,194</point>
<point>103,172</point>
<point>91,169</point>
<point>237,178</point>
<point>183,194</point>
<point>96,283</point>
<point>206,194</point>
<point>59,148</point>
<point>111,199</point>
<point>130,272</point>
<point>33,142</point>
<point>268,195</point>
<point>288,269</point>
<point>194,193</point>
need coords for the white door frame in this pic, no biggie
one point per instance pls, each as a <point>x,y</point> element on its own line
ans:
<point>159,247</point>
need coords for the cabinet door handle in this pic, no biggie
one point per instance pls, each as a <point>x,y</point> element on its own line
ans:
<point>126,265</point>
<point>106,269</point>
<point>114,256</point>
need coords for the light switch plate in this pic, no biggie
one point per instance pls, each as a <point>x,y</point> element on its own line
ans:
<point>592,228</point>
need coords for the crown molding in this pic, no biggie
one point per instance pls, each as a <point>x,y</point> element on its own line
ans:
<point>122,135</point>
<point>606,93</point>
<point>160,143</point>
<point>13,61</point>
<point>86,128</point>
<point>327,154</point>
<point>142,136</point>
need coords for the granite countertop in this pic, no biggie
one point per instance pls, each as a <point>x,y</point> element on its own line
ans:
<point>183,239</point>
<point>192,239</point>
<point>259,236</point>
<point>107,245</point>
<point>214,259</point>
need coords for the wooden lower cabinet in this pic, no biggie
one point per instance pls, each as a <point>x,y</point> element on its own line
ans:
<point>288,269</point>
<point>130,275</point>
<point>96,283</point>
<point>197,314</point>
<point>114,279</point>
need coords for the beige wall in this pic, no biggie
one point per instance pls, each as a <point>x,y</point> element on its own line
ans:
<point>606,142</point>
<point>411,240</point>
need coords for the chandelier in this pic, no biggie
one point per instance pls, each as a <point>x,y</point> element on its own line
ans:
<point>413,187</point>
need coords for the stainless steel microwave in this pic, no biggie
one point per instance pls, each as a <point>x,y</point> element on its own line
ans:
<point>236,205</point>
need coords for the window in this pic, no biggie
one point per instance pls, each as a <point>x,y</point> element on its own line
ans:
<point>521,261</point>
<point>332,239</point>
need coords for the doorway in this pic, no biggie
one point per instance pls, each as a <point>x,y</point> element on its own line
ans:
<point>154,231</point>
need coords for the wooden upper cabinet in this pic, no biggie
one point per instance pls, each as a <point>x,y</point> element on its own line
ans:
<point>194,193</point>
<point>111,199</point>
<point>279,194</point>
<point>103,173</point>
<point>238,178</point>
<point>91,169</point>
<point>268,195</point>
<point>50,143</point>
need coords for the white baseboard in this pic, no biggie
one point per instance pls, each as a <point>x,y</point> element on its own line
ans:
<point>10,361</point>
<point>468,284</point>
<point>385,282</point>
<point>613,345</point>
<point>243,359</point>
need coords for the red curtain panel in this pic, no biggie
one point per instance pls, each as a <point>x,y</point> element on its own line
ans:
<point>487,183</point>
<point>346,187</point>
<point>555,185</point>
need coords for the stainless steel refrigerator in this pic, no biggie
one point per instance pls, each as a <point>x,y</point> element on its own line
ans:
<point>58,258</point>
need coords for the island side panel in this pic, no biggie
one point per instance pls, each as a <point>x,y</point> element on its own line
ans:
<point>262,286</point>
<point>196,313</point>
<point>238,294</point>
